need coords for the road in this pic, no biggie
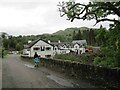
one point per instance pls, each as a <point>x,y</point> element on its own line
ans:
<point>0,73</point>
<point>17,73</point>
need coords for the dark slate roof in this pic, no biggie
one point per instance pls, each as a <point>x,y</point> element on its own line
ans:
<point>79,41</point>
<point>71,44</point>
<point>34,42</point>
<point>61,44</point>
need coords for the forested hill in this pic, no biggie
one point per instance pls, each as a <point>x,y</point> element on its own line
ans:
<point>69,31</point>
<point>66,35</point>
<point>63,35</point>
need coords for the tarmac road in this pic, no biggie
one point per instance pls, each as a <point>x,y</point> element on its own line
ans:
<point>0,73</point>
<point>17,73</point>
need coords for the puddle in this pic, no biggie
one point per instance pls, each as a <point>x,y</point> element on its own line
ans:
<point>29,66</point>
<point>60,81</point>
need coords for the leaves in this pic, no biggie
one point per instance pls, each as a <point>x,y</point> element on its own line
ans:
<point>94,10</point>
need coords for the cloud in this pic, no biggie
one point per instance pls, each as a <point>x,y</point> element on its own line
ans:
<point>25,17</point>
<point>11,17</point>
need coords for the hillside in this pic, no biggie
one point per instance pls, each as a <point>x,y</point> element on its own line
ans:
<point>62,35</point>
<point>69,31</point>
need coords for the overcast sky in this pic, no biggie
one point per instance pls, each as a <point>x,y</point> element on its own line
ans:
<point>32,17</point>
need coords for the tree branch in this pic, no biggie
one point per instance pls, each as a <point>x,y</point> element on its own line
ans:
<point>111,20</point>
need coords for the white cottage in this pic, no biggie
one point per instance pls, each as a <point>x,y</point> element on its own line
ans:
<point>43,48</point>
<point>49,49</point>
<point>60,47</point>
<point>79,46</point>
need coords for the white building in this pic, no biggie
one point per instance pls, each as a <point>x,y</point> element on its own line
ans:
<point>60,47</point>
<point>49,49</point>
<point>79,46</point>
<point>43,48</point>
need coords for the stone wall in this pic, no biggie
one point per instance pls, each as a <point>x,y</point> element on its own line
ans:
<point>100,76</point>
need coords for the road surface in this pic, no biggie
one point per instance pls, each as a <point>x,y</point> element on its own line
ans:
<point>17,73</point>
<point>0,73</point>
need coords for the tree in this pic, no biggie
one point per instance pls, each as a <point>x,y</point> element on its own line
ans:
<point>101,37</point>
<point>18,46</point>
<point>74,35</point>
<point>79,35</point>
<point>94,10</point>
<point>6,43</point>
<point>4,35</point>
<point>109,40</point>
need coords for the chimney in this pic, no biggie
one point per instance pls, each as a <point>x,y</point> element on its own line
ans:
<point>48,41</point>
<point>58,41</point>
<point>29,41</point>
<point>118,18</point>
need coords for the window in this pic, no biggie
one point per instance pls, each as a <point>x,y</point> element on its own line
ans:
<point>55,48</point>
<point>42,48</point>
<point>28,49</point>
<point>48,48</point>
<point>75,46</point>
<point>47,56</point>
<point>64,46</point>
<point>36,48</point>
<point>26,54</point>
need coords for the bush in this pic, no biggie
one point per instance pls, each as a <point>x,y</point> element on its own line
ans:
<point>97,60</point>
<point>70,57</point>
<point>83,58</point>
<point>109,62</point>
<point>0,52</point>
<point>108,59</point>
<point>3,52</point>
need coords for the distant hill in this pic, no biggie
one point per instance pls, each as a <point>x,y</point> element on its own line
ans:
<point>62,35</point>
<point>69,31</point>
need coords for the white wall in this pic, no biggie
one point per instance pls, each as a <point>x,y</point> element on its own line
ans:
<point>26,52</point>
<point>76,46</point>
<point>42,53</point>
<point>83,50</point>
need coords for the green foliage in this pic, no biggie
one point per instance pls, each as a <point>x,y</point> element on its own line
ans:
<point>3,52</point>
<point>101,36</point>
<point>108,40</point>
<point>110,47</point>
<point>0,52</point>
<point>106,61</point>
<point>18,47</point>
<point>70,57</point>
<point>97,60</point>
<point>107,58</point>
<point>77,36</point>
<point>93,10</point>
<point>83,58</point>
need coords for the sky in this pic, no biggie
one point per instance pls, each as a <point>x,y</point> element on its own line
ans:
<point>34,17</point>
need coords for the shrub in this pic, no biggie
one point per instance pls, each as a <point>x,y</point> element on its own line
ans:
<point>83,58</point>
<point>97,60</point>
